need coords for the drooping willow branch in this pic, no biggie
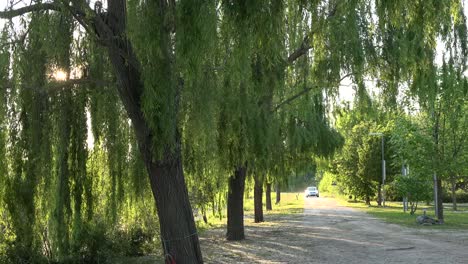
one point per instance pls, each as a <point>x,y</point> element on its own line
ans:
<point>57,85</point>
<point>53,86</point>
<point>92,22</point>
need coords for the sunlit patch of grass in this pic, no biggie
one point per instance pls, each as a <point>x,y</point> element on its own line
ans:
<point>291,203</point>
<point>213,222</point>
<point>393,213</point>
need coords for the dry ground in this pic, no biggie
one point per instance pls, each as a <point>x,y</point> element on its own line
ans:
<point>329,233</point>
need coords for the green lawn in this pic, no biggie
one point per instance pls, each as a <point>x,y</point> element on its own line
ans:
<point>393,213</point>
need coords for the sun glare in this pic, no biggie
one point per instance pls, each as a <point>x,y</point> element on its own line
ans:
<point>60,75</point>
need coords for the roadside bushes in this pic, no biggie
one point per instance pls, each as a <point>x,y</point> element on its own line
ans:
<point>461,195</point>
<point>101,244</point>
<point>329,184</point>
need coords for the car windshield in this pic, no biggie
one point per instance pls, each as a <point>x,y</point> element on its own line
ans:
<point>312,188</point>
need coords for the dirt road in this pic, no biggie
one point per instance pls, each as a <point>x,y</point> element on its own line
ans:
<point>329,233</point>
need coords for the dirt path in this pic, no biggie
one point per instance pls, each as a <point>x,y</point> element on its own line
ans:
<point>329,233</point>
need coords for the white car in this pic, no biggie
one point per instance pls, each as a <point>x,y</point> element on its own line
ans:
<point>311,191</point>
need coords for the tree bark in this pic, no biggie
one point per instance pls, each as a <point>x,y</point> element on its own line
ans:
<point>379,195</point>
<point>235,205</point>
<point>177,227</point>
<point>278,194</point>
<point>258,197</point>
<point>440,207</point>
<point>178,232</point>
<point>268,196</point>
<point>454,195</point>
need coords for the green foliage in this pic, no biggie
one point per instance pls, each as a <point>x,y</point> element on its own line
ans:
<point>358,165</point>
<point>329,184</point>
<point>53,189</point>
<point>416,189</point>
<point>161,85</point>
<point>460,195</point>
<point>412,146</point>
<point>220,75</point>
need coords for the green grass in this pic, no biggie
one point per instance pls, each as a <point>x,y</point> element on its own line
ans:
<point>393,213</point>
<point>291,203</point>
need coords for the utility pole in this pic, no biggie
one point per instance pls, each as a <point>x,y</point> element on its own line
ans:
<point>405,172</point>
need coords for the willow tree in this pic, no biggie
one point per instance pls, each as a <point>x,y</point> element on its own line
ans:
<point>4,73</point>
<point>150,87</point>
<point>159,68</point>
<point>352,39</point>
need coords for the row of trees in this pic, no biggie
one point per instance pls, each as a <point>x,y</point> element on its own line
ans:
<point>423,147</point>
<point>184,99</point>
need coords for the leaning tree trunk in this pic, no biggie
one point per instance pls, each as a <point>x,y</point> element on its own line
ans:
<point>454,195</point>
<point>258,204</point>
<point>268,196</point>
<point>178,232</point>
<point>177,227</point>
<point>235,205</point>
<point>278,194</point>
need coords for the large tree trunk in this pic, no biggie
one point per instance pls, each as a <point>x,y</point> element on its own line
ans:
<point>258,204</point>
<point>178,232</point>
<point>278,194</point>
<point>268,196</point>
<point>454,195</point>
<point>235,205</point>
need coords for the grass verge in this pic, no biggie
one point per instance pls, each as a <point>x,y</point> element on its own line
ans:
<point>393,213</point>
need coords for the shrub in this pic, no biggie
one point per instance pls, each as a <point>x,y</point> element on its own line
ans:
<point>461,195</point>
<point>415,188</point>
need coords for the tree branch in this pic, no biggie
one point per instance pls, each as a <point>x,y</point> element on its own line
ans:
<point>8,14</point>
<point>305,45</point>
<point>294,97</point>
<point>303,49</point>
<point>305,91</point>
